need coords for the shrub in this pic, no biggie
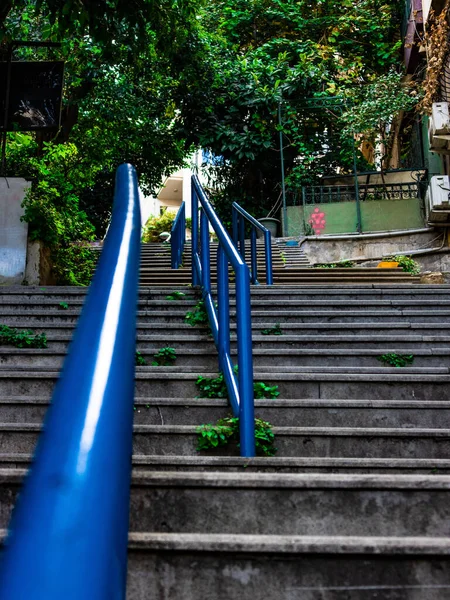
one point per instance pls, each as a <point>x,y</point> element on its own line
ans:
<point>157,225</point>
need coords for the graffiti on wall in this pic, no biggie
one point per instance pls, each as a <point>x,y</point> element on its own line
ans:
<point>317,221</point>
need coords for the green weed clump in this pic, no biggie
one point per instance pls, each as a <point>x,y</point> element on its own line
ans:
<point>226,430</point>
<point>21,338</point>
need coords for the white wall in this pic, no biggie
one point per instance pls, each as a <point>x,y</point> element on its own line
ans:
<point>13,233</point>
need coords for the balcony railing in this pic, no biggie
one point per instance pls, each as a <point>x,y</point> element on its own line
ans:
<point>347,193</point>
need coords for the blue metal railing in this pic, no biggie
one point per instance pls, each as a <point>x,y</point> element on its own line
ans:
<point>239,216</point>
<point>241,390</point>
<point>68,535</point>
<point>178,237</point>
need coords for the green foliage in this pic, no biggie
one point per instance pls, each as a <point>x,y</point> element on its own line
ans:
<point>262,54</point>
<point>157,225</point>
<point>215,387</point>
<point>164,357</point>
<point>276,330</point>
<point>396,360</point>
<point>344,264</point>
<point>176,296</point>
<point>21,338</point>
<point>140,360</point>
<point>375,106</point>
<point>197,316</point>
<point>123,67</point>
<point>63,306</point>
<point>407,263</point>
<point>51,204</point>
<point>51,208</point>
<point>262,391</point>
<point>74,264</point>
<point>226,430</point>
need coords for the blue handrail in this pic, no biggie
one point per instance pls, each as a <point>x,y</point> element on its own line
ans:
<point>68,535</point>
<point>240,391</point>
<point>239,216</point>
<point>178,237</point>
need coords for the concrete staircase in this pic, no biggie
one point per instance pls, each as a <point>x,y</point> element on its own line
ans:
<point>356,503</point>
<point>292,255</point>
<point>287,269</point>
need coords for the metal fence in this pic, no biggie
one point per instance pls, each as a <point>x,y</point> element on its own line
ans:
<point>339,209</point>
<point>366,193</point>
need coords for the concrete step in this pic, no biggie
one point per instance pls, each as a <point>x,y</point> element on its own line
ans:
<point>338,384</point>
<point>204,357</point>
<point>236,464</point>
<point>286,413</point>
<point>152,311</point>
<point>330,504</point>
<point>193,339</point>
<point>391,315</point>
<point>306,567</point>
<point>337,442</point>
<point>237,564</point>
<point>65,324</point>
<point>317,292</point>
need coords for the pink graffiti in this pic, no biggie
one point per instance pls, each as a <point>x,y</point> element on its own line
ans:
<point>317,221</point>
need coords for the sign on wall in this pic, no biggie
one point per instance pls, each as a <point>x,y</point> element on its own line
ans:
<point>35,95</point>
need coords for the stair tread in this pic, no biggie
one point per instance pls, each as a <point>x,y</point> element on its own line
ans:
<point>281,544</point>
<point>271,480</point>
<point>293,431</point>
<point>152,460</point>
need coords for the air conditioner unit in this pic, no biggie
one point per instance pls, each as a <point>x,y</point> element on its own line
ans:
<point>439,128</point>
<point>440,118</point>
<point>437,143</point>
<point>437,201</point>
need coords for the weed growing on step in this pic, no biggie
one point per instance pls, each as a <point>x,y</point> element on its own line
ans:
<point>198,315</point>
<point>396,360</point>
<point>283,258</point>
<point>215,387</point>
<point>226,430</point>
<point>164,357</point>
<point>407,263</point>
<point>63,306</point>
<point>262,391</point>
<point>344,264</point>
<point>21,338</point>
<point>276,330</point>
<point>176,296</point>
<point>140,360</point>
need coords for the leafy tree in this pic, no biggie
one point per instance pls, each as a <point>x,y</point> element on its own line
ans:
<point>123,66</point>
<point>266,53</point>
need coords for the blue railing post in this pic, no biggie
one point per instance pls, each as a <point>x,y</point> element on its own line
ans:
<point>254,257</point>
<point>238,216</point>
<point>194,238</point>
<point>223,300</point>
<point>178,237</point>
<point>69,531</point>
<point>240,389</point>
<point>234,221</point>
<point>241,234</point>
<point>245,362</point>
<point>204,254</point>
<point>268,247</point>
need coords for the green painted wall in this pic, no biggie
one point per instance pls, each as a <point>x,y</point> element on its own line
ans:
<point>340,217</point>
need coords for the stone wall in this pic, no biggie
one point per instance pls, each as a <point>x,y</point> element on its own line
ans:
<point>372,247</point>
<point>13,232</point>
